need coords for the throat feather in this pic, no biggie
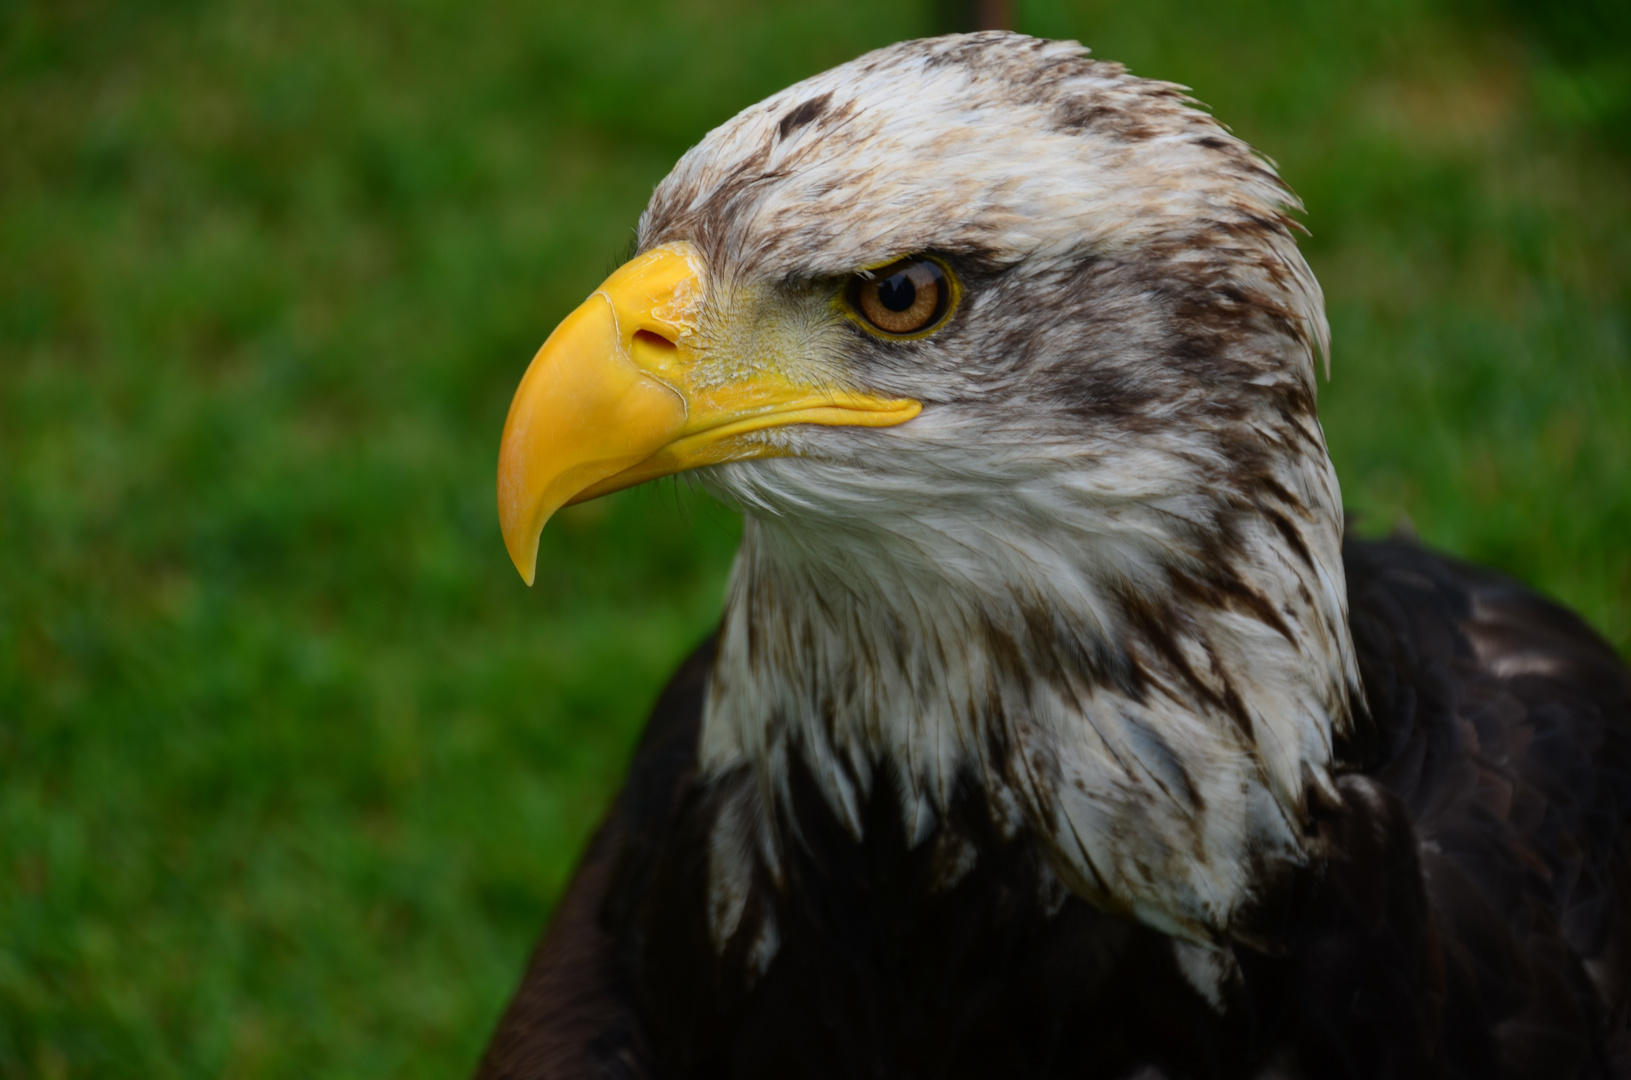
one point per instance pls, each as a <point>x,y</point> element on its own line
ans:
<point>1158,736</point>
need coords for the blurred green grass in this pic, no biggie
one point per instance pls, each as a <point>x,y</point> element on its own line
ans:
<point>291,765</point>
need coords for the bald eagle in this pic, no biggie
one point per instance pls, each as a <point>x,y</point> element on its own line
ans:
<point>1052,729</point>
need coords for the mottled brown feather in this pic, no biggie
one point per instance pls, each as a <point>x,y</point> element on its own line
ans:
<point>1470,919</point>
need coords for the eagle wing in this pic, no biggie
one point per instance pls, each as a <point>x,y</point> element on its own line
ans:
<point>573,1015</point>
<point>1473,913</point>
<point>1501,724</point>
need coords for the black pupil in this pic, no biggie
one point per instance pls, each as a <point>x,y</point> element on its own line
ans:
<point>897,293</point>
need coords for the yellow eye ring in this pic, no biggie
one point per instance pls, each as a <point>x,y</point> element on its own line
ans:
<point>906,299</point>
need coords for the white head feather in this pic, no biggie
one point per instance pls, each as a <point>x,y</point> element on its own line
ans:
<point>1099,577</point>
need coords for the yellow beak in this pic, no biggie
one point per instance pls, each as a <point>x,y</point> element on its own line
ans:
<point>622,392</point>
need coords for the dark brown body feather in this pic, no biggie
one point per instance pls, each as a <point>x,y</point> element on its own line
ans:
<point>1473,918</point>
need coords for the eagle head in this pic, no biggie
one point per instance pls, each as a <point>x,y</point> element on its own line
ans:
<point>1009,359</point>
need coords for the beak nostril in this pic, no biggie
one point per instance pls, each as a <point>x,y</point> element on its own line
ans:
<point>650,339</point>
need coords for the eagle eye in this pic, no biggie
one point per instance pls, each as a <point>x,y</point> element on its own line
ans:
<point>909,296</point>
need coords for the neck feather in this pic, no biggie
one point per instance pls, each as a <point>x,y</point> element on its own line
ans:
<point>1151,688</point>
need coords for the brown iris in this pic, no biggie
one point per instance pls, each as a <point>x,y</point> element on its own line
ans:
<point>907,296</point>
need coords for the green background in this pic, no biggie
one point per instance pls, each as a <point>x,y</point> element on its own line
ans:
<point>291,765</point>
